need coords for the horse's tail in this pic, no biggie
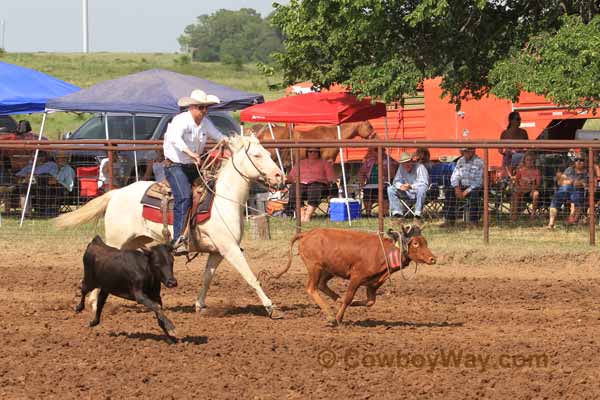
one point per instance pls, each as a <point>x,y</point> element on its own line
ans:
<point>92,210</point>
<point>267,274</point>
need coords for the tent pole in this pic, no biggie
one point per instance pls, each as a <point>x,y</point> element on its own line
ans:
<point>290,133</point>
<point>135,162</point>
<point>35,157</point>
<point>387,139</point>
<point>276,150</point>
<point>339,132</point>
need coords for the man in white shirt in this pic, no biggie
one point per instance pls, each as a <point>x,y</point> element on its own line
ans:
<point>410,183</point>
<point>183,143</point>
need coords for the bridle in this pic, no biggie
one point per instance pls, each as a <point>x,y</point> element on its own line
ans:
<point>262,175</point>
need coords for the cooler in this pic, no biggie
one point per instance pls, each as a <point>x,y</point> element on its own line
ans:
<point>338,210</point>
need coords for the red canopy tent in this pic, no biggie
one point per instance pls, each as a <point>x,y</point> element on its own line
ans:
<point>324,108</point>
<point>329,108</point>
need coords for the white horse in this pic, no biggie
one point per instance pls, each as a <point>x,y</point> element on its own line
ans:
<point>220,236</point>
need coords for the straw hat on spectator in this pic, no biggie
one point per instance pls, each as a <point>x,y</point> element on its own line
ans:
<point>447,159</point>
<point>405,157</point>
<point>198,97</point>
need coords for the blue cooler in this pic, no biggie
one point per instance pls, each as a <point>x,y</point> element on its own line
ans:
<point>338,212</point>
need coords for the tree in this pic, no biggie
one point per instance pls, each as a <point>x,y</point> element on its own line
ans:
<point>386,48</point>
<point>232,37</point>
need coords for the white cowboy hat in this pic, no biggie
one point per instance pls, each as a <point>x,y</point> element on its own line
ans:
<point>198,97</point>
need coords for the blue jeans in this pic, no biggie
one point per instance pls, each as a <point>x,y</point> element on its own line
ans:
<point>180,177</point>
<point>413,196</point>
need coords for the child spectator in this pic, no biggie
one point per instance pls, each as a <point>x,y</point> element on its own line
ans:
<point>527,180</point>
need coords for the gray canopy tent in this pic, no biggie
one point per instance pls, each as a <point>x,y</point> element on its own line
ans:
<point>154,91</point>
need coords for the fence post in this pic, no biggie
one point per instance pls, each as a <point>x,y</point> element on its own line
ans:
<point>298,195</point>
<point>110,166</point>
<point>486,197</point>
<point>591,199</point>
<point>380,188</point>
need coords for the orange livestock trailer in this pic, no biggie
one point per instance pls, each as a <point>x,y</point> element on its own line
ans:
<point>432,117</point>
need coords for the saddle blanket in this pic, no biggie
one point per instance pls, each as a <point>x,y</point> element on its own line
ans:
<point>152,212</point>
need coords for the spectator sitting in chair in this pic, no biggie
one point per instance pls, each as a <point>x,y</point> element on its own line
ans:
<point>411,183</point>
<point>368,178</point>
<point>466,183</point>
<point>42,166</point>
<point>316,175</point>
<point>155,167</point>
<point>571,188</point>
<point>527,180</point>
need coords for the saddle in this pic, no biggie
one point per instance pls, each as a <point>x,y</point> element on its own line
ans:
<point>158,204</point>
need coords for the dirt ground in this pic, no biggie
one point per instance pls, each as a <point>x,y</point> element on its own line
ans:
<point>522,330</point>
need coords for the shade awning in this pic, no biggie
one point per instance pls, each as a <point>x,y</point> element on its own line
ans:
<point>25,91</point>
<point>154,91</point>
<point>315,108</point>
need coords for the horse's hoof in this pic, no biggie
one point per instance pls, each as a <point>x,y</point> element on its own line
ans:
<point>332,322</point>
<point>200,310</point>
<point>274,313</point>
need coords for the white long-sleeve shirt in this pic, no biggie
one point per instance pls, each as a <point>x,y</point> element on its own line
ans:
<point>183,133</point>
<point>418,178</point>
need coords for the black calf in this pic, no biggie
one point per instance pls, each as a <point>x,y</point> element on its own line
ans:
<point>129,274</point>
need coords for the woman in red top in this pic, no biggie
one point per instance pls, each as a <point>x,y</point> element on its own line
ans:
<point>316,175</point>
<point>527,180</point>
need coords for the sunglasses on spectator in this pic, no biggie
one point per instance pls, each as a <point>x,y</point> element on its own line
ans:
<point>579,159</point>
<point>202,108</point>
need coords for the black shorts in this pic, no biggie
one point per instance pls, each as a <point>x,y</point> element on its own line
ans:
<point>312,193</point>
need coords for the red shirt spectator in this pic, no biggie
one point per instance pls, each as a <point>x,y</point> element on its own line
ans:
<point>313,170</point>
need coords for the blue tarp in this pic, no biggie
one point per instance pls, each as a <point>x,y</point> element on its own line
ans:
<point>24,91</point>
<point>154,91</point>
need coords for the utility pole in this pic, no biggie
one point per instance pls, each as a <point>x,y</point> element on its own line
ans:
<point>84,6</point>
<point>2,26</point>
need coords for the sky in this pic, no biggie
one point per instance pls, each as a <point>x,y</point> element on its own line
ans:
<point>114,25</point>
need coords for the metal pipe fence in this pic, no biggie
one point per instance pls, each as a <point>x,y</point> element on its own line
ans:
<point>501,200</point>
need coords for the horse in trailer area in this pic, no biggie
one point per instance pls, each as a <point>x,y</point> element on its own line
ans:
<point>220,236</point>
<point>351,130</point>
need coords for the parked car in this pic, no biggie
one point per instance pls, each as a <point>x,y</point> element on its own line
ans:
<point>7,124</point>
<point>147,127</point>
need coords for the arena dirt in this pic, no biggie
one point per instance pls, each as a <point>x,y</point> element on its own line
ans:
<point>525,330</point>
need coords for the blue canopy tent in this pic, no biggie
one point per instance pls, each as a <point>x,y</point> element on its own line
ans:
<point>154,91</point>
<point>25,91</point>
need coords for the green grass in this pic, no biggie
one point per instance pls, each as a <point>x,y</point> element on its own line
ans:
<point>508,244</point>
<point>87,70</point>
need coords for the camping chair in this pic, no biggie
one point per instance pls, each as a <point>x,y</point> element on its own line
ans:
<point>87,178</point>
<point>410,204</point>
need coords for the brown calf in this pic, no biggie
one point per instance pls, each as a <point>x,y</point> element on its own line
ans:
<point>363,258</point>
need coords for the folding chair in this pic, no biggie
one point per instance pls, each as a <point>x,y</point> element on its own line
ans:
<point>409,204</point>
<point>87,178</point>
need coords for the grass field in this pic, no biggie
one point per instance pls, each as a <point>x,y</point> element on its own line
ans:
<point>508,243</point>
<point>87,70</point>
